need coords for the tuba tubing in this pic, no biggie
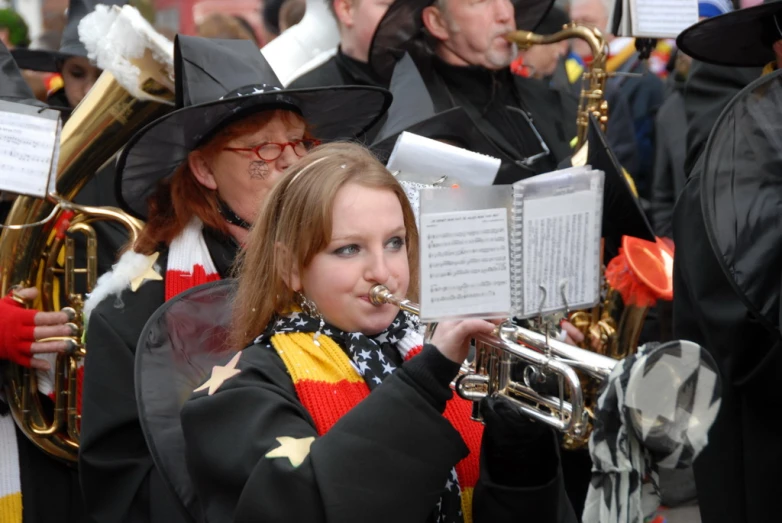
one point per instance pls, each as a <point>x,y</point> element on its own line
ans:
<point>509,342</point>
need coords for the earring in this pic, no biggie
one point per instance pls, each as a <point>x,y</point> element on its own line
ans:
<point>309,308</point>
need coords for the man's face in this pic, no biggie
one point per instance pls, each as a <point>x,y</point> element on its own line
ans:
<point>358,20</point>
<point>591,13</point>
<point>5,37</point>
<point>473,32</point>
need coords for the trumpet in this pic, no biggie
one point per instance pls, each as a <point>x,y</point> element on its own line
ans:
<point>495,355</point>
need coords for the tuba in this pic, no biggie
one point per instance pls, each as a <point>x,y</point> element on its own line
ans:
<point>37,242</point>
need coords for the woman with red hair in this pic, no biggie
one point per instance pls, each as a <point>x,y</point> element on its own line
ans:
<point>197,176</point>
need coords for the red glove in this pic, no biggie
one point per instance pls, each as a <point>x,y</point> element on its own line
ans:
<point>17,328</point>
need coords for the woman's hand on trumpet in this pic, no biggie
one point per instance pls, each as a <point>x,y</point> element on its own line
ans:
<point>573,336</point>
<point>452,338</point>
<point>21,329</point>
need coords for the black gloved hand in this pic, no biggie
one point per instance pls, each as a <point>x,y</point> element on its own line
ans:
<point>518,451</point>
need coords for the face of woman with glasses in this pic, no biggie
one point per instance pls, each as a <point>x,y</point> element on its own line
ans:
<point>247,165</point>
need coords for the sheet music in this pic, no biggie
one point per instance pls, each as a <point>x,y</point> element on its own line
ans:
<point>426,161</point>
<point>29,147</point>
<point>560,241</point>
<point>662,18</point>
<point>465,265</point>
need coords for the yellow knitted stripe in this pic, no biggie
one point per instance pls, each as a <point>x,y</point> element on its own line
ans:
<point>11,508</point>
<point>467,504</point>
<point>307,361</point>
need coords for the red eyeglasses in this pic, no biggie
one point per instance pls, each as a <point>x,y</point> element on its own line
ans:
<point>270,151</point>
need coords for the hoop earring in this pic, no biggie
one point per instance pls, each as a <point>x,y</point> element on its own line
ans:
<point>309,308</point>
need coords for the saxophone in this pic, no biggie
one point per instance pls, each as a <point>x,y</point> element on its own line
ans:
<point>37,246</point>
<point>613,327</point>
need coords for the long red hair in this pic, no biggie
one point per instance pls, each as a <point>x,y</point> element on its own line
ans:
<point>178,199</point>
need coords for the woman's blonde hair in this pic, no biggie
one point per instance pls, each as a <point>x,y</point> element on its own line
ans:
<point>295,224</point>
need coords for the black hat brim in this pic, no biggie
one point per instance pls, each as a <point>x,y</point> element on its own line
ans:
<point>401,27</point>
<point>741,195</point>
<point>742,38</point>
<point>155,152</point>
<point>40,60</point>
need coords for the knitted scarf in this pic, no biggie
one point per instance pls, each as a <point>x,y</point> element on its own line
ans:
<point>332,378</point>
<point>189,264</point>
<point>10,481</point>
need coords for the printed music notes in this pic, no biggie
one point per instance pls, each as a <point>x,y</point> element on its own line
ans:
<point>520,250</point>
<point>465,264</point>
<point>654,18</point>
<point>29,149</point>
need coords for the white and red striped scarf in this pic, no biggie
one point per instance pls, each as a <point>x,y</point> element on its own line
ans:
<point>189,264</point>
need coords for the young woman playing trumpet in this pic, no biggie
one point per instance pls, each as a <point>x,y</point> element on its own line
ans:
<point>335,409</point>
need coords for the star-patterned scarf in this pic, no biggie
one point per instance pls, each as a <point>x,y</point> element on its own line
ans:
<point>372,358</point>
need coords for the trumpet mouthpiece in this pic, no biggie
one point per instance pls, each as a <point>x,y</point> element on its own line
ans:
<point>379,295</point>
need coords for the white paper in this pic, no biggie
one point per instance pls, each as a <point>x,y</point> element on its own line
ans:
<point>465,265</point>
<point>426,161</point>
<point>29,148</point>
<point>662,18</point>
<point>560,252</point>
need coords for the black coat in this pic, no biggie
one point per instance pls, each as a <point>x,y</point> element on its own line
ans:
<point>386,460</point>
<point>670,154</point>
<point>709,88</point>
<point>551,111</point>
<point>340,69</point>
<point>119,481</point>
<point>737,475</point>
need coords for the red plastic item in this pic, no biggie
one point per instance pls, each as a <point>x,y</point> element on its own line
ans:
<point>642,272</point>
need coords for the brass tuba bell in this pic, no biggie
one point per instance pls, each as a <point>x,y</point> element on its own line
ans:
<point>43,256</point>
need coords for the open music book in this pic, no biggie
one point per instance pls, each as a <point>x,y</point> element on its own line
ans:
<point>652,18</point>
<point>29,149</point>
<point>512,251</point>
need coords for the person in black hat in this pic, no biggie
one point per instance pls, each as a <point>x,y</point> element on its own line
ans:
<point>459,48</point>
<point>198,177</point>
<point>726,269</point>
<point>78,73</point>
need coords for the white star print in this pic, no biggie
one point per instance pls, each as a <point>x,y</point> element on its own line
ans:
<point>355,335</point>
<point>377,380</point>
<point>363,367</point>
<point>380,356</point>
<point>327,332</point>
<point>388,369</point>
<point>365,354</point>
<point>449,484</point>
<point>301,322</point>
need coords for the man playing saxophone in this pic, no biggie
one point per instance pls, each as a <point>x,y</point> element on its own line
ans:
<point>459,47</point>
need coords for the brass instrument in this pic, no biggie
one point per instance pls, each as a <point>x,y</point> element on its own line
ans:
<point>612,328</point>
<point>38,255</point>
<point>592,100</point>
<point>495,354</point>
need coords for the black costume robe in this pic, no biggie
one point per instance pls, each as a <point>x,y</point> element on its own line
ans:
<point>486,96</point>
<point>119,481</point>
<point>386,460</point>
<point>737,474</point>
<point>340,69</point>
<point>709,88</point>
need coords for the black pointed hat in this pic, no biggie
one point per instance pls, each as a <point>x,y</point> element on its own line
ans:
<point>70,45</point>
<point>13,88</point>
<point>741,38</point>
<point>741,196</point>
<point>219,82</point>
<point>402,27</point>
<point>413,111</point>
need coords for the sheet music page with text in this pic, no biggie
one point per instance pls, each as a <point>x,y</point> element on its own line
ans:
<point>560,246</point>
<point>662,18</point>
<point>465,265</point>
<point>29,146</point>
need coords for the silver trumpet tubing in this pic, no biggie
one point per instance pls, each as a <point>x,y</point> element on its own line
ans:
<point>489,374</point>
